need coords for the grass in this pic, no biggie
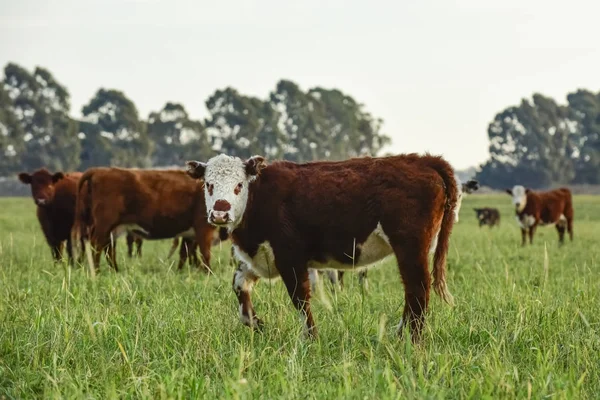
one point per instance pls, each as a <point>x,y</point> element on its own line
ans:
<point>525,324</point>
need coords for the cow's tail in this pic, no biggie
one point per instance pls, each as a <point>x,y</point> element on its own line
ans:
<point>441,250</point>
<point>83,219</point>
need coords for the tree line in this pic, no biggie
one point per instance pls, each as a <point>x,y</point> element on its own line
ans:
<point>36,129</point>
<point>541,143</point>
<point>538,143</point>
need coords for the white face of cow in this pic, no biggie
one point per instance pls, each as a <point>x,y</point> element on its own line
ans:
<point>226,186</point>
<point>519,197</point>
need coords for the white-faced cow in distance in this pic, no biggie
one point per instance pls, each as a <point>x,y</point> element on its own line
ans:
<point>541,208</point>
<point>286,218</point>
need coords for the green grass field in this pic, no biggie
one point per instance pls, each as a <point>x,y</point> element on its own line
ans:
<point>525,323</point>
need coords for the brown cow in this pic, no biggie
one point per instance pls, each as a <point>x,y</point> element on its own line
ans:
<point>541,208</point>
<point>54,195</point>
<point>286,218</point>
<point>153,204</point>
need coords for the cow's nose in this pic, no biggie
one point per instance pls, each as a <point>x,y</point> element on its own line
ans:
<point>219,217</point>
<point>517,204</point>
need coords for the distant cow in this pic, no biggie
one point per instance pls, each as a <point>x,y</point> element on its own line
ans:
<point>54,195</point>
<point>541,208</point>
<point>152,204</point>
<point>487,216</point>
<point>286,218</point>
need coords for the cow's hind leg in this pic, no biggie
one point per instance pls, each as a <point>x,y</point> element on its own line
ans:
<point>138,245</point>
<point>412,259</point>
<point>243,281</point>
<point>570,227</point>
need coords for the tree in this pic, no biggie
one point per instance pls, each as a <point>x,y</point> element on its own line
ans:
<point>302,123</point>
<point>584,109</point>
<point>176,137</point>
<point>243,126</point>
<point>351,131</point>
<point>41,105</point>
<point>530,144</point>
<point>12,143</point>
<point>113,133</point>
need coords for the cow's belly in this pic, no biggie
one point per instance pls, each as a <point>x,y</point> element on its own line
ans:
<point>150,234</point>
<point>374,249</point>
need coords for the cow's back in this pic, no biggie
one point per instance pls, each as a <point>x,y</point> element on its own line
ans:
<point>334,204</point>
<point>162,202</point>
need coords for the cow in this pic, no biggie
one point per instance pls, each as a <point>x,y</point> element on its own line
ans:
<point>152,204</point>
<point>542,208</point>
<point>286,218</point>
<point>54,195</point>
<point>487,216</point>
<point>465,188</point>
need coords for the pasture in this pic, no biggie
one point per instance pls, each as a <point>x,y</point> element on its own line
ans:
<point>525,323</point>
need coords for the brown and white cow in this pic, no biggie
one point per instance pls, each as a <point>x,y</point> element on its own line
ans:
<point>286,218</point>
<point>541,208</point>
<point>54,194</point>
<point>152,204</point>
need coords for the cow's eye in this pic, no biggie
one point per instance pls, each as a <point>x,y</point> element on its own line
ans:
<point>209,187</point>
<point>238,188</point>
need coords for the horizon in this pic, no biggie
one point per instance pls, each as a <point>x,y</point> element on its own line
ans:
<point>466,61</point>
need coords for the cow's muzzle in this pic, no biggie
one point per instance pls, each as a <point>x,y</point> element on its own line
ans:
<point>219,217</point>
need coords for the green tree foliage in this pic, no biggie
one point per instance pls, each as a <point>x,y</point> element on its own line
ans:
<point>176,137</point>
<point>242,125</point>
<point>533,144</point>
<point>40,104</point>
<point>12,141</point>
<point>585,110</point>
<point>293,124</point>
<point>113,132</point>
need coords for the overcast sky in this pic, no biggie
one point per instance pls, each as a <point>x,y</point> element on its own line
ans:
<point>436,71</point>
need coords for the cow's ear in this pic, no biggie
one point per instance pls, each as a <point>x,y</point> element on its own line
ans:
<point>527,191</point>
<point>476,209</point>
<point>254,165</point>
<point>195,169</point>
<point>509,191</point>
<point>57,177</point>
<point>25,178</point>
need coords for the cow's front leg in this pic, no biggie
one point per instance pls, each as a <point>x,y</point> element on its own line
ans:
<point>298,285</point>
<point>243,281</point>
<point>523,236</point>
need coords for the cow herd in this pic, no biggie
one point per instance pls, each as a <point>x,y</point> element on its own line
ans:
<point>285,220</point>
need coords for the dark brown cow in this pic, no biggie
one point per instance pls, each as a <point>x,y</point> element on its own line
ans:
<point>54,195</point>
<point>286,218</point>
<point>541,208</point>
<point>487,216</point>
<point>153,204</point>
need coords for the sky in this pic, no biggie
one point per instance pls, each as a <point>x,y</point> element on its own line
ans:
<point>437,72</point>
